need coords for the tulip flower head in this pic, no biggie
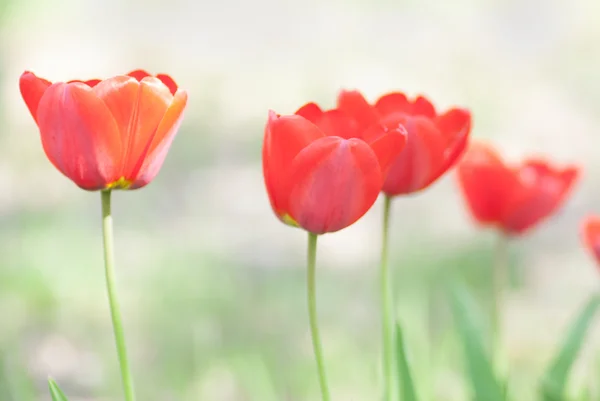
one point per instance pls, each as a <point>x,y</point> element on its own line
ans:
<point>106,134</point>
<point>321,173</point>
<point>512,198</point>
<point>434,143</point>
<point>590,233</point>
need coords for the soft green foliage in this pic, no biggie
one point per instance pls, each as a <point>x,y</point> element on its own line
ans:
<point>55,391</point>
<point>407,390</point>
<point>486,386</point>
<point>555,379</point>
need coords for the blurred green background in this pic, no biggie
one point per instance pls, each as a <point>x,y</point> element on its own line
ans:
<point>212,285</point>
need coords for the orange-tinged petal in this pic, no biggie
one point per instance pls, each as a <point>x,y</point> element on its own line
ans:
<point>169,82</point>
<point>157,151</point>
<point>138,108</point>
<point>80,135</point>
<point>420,159</point>
<point>90,82</point>
<point>590,233</point>
<point>32,88</point>
<point>354,104</point>
<point>285,137</point>
<point>386,143</point>
<point>486,183</point>
<point>332,183</point>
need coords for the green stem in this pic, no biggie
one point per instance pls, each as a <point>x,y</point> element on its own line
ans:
<point>499,281</point>
<point>312,315</point>
<point>387,307</point>
<point>109,265</point>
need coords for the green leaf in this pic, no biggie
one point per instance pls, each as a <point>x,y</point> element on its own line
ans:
<point>554,381</point>
<point>407,388</point>
<point>55,391</point>
<point>483,381</point>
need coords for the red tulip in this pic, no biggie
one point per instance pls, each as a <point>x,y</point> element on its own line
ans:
<point>109,134</point>
<point>590,231</point>
<point>434,142</point>
<point>513,198</point>
<point>320,174</point>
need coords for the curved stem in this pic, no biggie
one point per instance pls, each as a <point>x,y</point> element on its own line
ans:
<point>499,280</point>
<point>312,315</point>
<point>387,307</point>
<point>109,266</point>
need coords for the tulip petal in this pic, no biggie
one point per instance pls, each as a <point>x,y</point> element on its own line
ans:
<point>543,190</point>
<point>169,82</point>
<point>354,104</point>
<point>153,160</point>
<point>387,143</point>
<point>138,108</point>
<point>80,135</point>
<point>285,137</point>
<point>590,232</point>
<point>139,74</point>
<point>486,183</point>
<point>423,107</point>
<point>32,88</point>
<point>420,159</point>
<point>391,103</point>
<point>332,183</point>
<point>455,127</point>
<point>311,111</point>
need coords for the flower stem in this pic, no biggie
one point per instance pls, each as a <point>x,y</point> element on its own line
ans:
<point>499,280</point>
<point>109,265</point>
<point>312,315</point>
<point>387,307</point>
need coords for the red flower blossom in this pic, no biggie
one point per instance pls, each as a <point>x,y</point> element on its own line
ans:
<point>434,142</point>
<point>320,174</point>
<point>513,198</point>
<point>590,233</point>
<point>109,134</point>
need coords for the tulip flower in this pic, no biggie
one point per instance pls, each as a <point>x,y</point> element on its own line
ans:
<point>106,135</point>
<point>109,134</point>
<point>434,143</point>
<point>511,198</point>
<point>590,234</point>
<point>322,174</point>
<point>514,199</point>
<point>319,173</point>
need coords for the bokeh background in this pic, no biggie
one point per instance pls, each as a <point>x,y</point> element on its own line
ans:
<point>212,285</point>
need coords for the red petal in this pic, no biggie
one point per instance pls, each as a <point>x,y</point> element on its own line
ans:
<point>392,103</point>
<point>419,161</point>
<point>169,82</point>
<point>139,74</point>
<point>284,138</point>
<point>311,111</point>
<point>455,127</point>
<point>423,107</point>
<point>32,88</point>
<point>543,190</point>
<point>138,108</point>
<point>333,182</point>
<point>590,233</point>
<point>354,104</point>
<point>337,123</point>
<point>486,183</point>
<point>79,135</point>
<point>386,143</point>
